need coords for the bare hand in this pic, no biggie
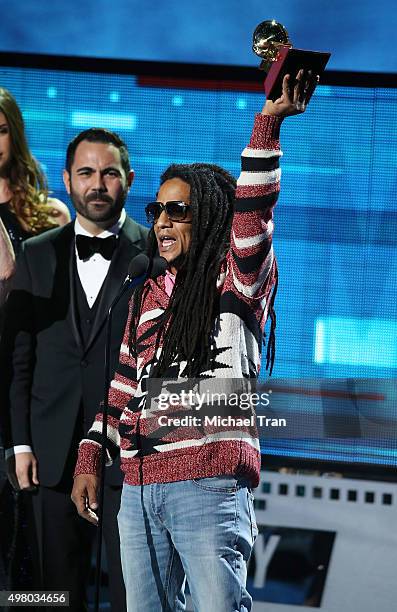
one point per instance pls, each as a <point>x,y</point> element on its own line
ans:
<point>22,471</point>
<point>84,496</point>
<point>295,96</point>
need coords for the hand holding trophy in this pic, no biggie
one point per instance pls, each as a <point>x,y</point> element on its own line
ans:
<point>272,44</point>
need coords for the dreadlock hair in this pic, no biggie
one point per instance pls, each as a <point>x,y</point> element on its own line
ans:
<point>187,324</point>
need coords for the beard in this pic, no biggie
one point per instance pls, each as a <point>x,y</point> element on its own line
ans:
<point>98,207</point>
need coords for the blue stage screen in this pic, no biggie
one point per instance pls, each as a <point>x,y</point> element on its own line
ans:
<point>359,34</point>
<point>336,219</point>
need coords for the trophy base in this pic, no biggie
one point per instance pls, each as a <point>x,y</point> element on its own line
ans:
<point>290,61</point>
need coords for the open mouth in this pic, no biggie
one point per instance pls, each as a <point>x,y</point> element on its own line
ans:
<point>166,243</point>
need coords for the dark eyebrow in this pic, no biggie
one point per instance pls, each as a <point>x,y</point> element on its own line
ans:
<point>107,169</point>
<point>3,125</point>
<point>85,168</point>
<point>112,169</point>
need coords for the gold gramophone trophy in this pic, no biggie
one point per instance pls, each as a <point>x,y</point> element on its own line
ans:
<point>268,38</point>
<point>271,42</point>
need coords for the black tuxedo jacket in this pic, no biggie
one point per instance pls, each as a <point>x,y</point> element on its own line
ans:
<point>49,379</point>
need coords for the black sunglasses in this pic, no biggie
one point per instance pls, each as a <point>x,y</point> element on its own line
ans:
<point>176,210</point>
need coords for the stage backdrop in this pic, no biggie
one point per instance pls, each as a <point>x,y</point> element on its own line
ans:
<point>336,220</point>
<point>359,33</point>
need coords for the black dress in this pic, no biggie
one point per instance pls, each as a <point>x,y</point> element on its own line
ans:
<point>14,229</point>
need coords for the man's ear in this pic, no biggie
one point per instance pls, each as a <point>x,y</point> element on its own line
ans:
<point>130,178</point>
<point>66,180</point>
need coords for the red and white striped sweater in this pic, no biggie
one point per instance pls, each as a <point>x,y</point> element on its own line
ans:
<point>149,456</point>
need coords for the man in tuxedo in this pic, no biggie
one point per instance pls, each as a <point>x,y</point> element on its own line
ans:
<point>53,358</point>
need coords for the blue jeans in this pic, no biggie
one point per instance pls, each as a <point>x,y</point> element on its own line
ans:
<point>202,530</point>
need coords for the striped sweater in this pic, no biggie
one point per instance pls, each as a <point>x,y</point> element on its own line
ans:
<point>149,451</point>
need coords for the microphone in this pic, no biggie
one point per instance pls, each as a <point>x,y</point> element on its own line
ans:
<point>139,269</point>
<point>158,267</point>
<point>142,265</point>
<point>138,266</point>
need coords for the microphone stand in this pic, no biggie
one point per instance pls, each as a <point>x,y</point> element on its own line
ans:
<point>128,284</point>
<point>135,277</point>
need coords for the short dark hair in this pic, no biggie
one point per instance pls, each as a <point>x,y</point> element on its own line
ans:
<point>98,135</point>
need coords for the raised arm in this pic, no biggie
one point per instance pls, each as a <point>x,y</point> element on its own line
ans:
<point>251,261</point>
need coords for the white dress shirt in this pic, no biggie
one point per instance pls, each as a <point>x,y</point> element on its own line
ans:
<point>92,273</point>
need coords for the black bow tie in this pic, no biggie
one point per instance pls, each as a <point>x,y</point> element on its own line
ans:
<point>86,246</point>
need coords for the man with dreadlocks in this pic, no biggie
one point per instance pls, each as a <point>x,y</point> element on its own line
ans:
<point>187,507</point>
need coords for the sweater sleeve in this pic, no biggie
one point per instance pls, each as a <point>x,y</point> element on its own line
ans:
<point>251,264</point>
<point>121,390</point>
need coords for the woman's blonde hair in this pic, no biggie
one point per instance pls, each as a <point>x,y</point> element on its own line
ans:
<point>27,181</point>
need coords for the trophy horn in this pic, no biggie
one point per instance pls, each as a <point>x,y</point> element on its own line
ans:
<point>267,39</point>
